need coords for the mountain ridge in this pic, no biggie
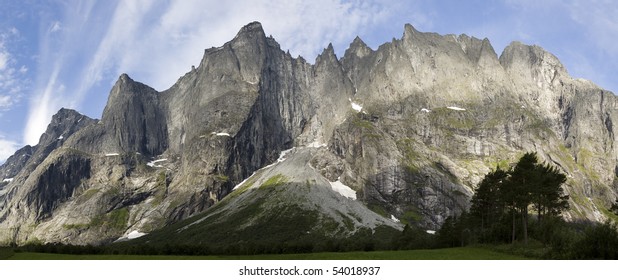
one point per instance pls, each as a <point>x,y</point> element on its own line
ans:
<point>411,127</point>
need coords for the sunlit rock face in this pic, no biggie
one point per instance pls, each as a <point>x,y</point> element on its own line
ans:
<point>401,134</point>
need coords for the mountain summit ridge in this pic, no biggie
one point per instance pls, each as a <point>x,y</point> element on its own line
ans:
<point>411,127</point>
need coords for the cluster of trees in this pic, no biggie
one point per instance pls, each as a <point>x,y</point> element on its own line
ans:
<point>510,195</point>
<point>505,200</point>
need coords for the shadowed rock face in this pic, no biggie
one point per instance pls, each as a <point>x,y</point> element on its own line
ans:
<point>56,183</point>
<point>63,125</point>
<point>133,120</point>
<point>412,127</point>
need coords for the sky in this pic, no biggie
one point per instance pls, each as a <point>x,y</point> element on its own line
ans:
<point>69,53</point>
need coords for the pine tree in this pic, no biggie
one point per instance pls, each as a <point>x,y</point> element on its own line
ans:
<point>548,197</point>
<point>502,194</point>
<point>532,183</point>
<point>523,179</point>
<point>486,204</point>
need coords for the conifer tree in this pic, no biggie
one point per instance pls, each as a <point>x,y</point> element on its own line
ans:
<point>486,204</point>
<point>548,198</point>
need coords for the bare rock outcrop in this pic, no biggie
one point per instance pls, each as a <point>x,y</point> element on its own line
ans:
<point>410,127</point>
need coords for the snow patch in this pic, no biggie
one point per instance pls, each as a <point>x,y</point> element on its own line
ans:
<point>343,189</point>
<point>456,108</point>
<point>283,154</point>
<point>243,181</point>
<point>425,110</point>
<point>430,231</point>
<point>282,158</point>
<point>132,235</point>
<point>357,107</point>
<point>135,234</point>
<point>112,154</point>
<point>8,180</point>
<point>61,137</point>
<point>154,162</point>
<point>217,134</point>
<point>394,219</point>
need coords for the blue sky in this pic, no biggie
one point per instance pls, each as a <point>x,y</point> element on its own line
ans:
<point>69,53</point>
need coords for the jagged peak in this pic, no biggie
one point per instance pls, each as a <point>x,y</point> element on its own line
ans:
<point>476,49</point>
<point>126,84</point>
<point>488,47</point>
<point>62,125</point>
<point>532,55</point>
<point>358,42</point>
<point>327,56</point>
<point>123,80</point>
<point>487,50</point>
<point>64,113</point>
<point>517,49</point>
<point>409,31</point>
<point>253,28</point>
<point>329,51</point>
<point>330,48</point>
<point>125,77</point>
<point>357,48</point>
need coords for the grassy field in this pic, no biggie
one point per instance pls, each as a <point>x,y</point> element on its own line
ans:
<point>466,253</point>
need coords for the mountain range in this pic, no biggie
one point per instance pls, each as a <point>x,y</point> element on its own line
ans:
<point>255,142</point>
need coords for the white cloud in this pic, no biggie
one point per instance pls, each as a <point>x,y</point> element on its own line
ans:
<point>11,85</point>
<point>599,20</point>
<point>179,34</point>
<point>4,60</point>
<point>42,108</point>
<point>5,101</point>
<point>7,148</point>
<point>58,51</point>
<point>55,27</point>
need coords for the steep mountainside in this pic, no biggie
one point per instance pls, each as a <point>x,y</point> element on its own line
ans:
<point>410,127</point>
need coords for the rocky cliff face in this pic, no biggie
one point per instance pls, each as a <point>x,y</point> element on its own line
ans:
<point>411,128</point>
